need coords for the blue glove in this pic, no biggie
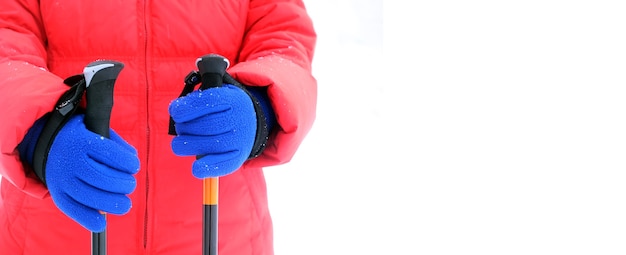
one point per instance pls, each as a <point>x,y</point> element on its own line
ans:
<point>87,173</point>
<point>220,126</point>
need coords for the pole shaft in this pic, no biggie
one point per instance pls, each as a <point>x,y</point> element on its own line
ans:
<point>98,242</point>
<point>209,214</point>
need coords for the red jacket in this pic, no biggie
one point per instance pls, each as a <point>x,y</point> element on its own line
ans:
<point>269,43</point>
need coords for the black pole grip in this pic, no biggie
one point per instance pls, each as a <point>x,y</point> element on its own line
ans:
<point>100,77</point>
<point>212,68</point>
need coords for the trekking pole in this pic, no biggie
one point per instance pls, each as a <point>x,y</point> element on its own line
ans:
<point>212,68</point>
<point>100,77</point>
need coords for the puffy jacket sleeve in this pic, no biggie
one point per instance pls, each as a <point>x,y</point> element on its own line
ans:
<point>27,89</point>
<point>277,52</point>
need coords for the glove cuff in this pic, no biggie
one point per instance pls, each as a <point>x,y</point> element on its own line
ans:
<point>263,125</point>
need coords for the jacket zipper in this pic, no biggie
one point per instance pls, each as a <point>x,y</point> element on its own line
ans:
<point>145,32</point>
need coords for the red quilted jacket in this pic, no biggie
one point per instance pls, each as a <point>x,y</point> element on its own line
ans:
<point>269,43</point>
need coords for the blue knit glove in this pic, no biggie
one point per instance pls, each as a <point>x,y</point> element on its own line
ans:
<point>87,173</point>
<point>219,125</point>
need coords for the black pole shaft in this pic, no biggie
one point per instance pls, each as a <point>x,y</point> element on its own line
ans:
<point>209,231</point>
<point>98,242</point>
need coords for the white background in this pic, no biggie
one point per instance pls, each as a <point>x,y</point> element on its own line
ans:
<point>461,127</point>
<point>485,127</point>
